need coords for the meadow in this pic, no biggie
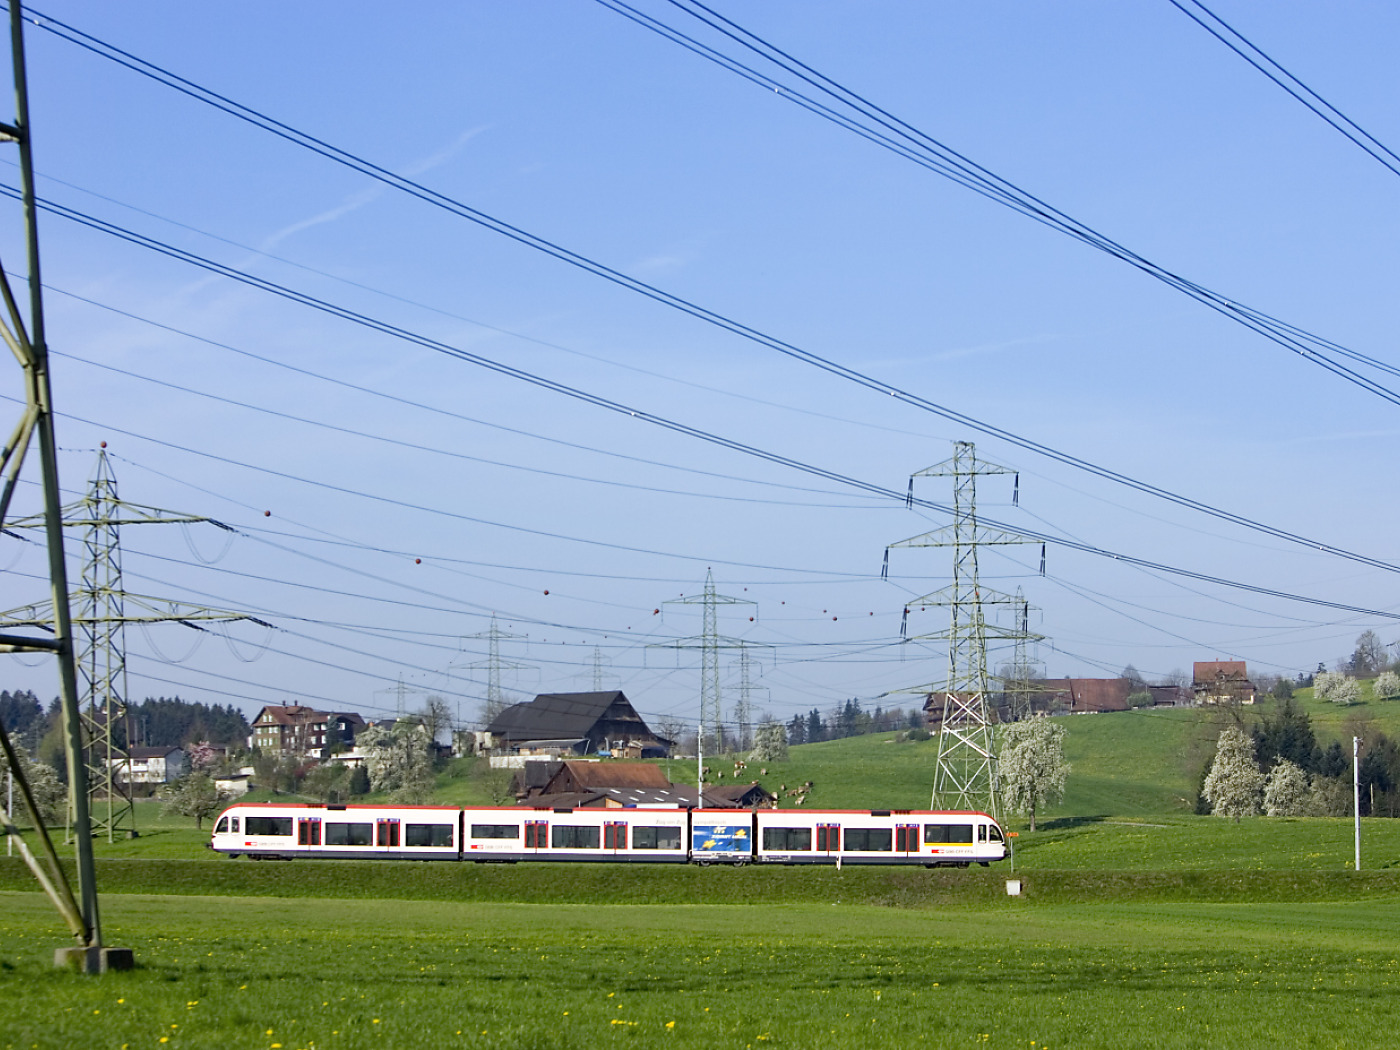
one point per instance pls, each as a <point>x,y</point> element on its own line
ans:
<point>276,974</point>
<point>1139,924</point>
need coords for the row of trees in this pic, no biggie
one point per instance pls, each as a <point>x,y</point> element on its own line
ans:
<point>1281,770</point>
<point>850,719</point>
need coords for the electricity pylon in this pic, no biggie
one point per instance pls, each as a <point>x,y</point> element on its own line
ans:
<point>495,699</point>
<point>26,338</point>
<point>709,642</point>
<point>1017,684</point>
<point>103,610</point>
<point>743,709</point>
<point>965,776</point>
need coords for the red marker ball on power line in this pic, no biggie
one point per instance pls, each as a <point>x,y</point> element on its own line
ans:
<point>833,619</point>
<point>546,592</point>
<point>267,514</point>
<point>104,445</point>
<point>655,611</point>
<point>417,561</point>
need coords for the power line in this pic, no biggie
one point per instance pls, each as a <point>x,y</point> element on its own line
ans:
<point>1293,338</point>
<point>1256,57</point>
<point>909,142</point>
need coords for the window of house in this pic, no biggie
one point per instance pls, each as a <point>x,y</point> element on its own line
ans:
<point>428,834</point>
<point>349,834</point>
<point>788,840</point>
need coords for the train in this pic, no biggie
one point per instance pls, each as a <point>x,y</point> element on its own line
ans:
<point>509,834</point>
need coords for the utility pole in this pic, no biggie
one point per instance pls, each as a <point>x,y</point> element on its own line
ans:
<point>103,610</point>
<point>36,426</point>
<point>965,776</point>
<point>709,642</point>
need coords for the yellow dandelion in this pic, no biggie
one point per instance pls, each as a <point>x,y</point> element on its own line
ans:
<point>375,1021</point>
<point>670,1024</point>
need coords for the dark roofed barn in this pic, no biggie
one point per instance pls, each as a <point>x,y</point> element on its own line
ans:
<point>606,720</point>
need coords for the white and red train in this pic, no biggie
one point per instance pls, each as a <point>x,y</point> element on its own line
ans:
<point>676,836</point>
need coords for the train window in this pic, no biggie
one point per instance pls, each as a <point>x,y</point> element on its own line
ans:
<point>270,826</point>
<point>656,838</point>
<point>495,831</point>
<point>573,836</point>
<point>614,836</point>
<point>981,833</point>
<point>996,833</point>
<point>388,832</point>
<point>349,834</point>
<point>427,835</point>
<point>947,832</point>
<point>535,834</point>
<point>234,829</point>
<point>828,838</point>
<point>788,840</point>
<point>906,838</point>
<point>222,826</point>
<point>309,832</point>
<point>869,840</point>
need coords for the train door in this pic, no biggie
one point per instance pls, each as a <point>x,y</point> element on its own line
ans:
<point>536,834</point>
<point>309,831</point>
<point>906,838</point>
<point>387,833</point>
<point>828,838</point>
<point>615,835</point>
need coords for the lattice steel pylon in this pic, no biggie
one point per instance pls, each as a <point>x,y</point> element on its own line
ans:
<point>965,776</point>
<point>709,642</point>
<point>1018,681</point>
<point>495,701</point>
<point>102,609</point>
<point>26,338</point>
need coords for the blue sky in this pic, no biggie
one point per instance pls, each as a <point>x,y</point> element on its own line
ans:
<point>462,493</point>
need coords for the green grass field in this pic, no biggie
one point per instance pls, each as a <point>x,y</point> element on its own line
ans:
<point>276,975</point>
<point>1140,924</point>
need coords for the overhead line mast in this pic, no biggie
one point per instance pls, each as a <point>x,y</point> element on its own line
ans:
<point>965,774</point>
<point>36,426</point>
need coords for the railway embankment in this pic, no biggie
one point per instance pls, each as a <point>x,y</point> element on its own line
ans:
<point>685,885</point>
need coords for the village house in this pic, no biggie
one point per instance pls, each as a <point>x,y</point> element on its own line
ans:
<point>1222,682</point>
<point>579,724</point>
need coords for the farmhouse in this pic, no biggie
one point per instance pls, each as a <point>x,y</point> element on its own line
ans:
<point>303,731</point>
<point>584,723</point>
<point>1222,682</point>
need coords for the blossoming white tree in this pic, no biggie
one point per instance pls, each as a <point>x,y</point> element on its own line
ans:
<point>1286,791</point>
<point>1234,784</point>
<point>770,743</point>
<point>1337,687</point>
<point>1387,686</point>
<point>1031,764</point>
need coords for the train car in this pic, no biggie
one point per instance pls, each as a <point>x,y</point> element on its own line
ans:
<point>934,839</point>
<point>272,830</point>
<point>721,836</point>
<point>508,834</point>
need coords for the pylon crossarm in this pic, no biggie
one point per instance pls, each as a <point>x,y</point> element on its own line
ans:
<point>54,881</point>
